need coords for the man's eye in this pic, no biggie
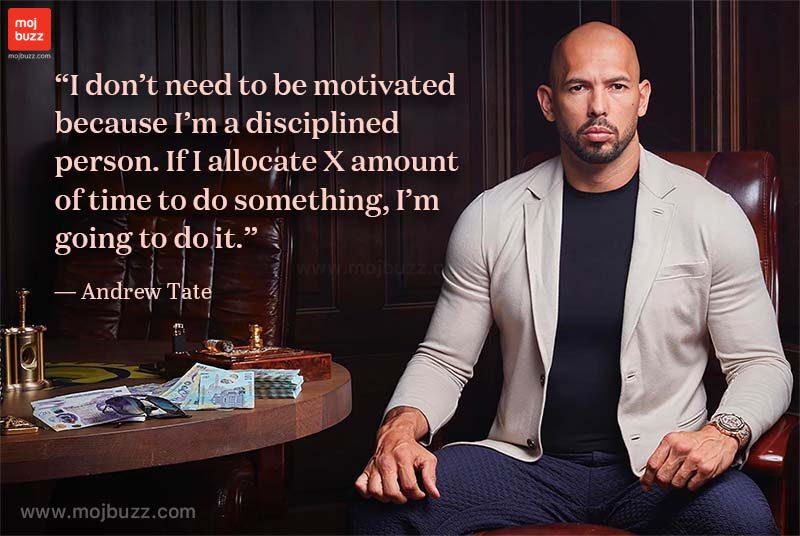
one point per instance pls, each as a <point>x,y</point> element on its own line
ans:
<point>617,87</point>
<point>576,88</point>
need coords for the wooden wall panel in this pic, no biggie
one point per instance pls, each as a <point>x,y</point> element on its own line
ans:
<point>118,51</point>
<point>769,108</point>
<point>667,125</point>
<point>589,10</point>
<point>358,240</point>
<point>275,37</point>
<point>353,270</point>
<point>702,118</point>
<point>413,265</point>
<point>166,59</point>
<point>537,26</point>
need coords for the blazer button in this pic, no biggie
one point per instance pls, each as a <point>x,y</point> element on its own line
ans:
<point>541,379</point>
<point>531,443</point>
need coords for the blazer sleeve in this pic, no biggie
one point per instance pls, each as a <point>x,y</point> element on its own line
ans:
<point>744,328</point>
<point>443,363</point>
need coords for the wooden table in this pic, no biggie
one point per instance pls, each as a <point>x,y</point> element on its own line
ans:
<point>207,434</point>
<point>262,431</point>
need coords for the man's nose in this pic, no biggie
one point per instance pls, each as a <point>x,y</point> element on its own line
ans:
<point>597,104</point>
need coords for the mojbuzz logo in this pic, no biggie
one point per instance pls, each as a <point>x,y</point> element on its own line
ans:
<point>28,28</point>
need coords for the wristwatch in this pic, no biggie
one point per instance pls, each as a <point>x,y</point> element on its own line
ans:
<point>732,425</point>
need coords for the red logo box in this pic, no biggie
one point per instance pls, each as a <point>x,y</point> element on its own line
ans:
<point>28,28</point>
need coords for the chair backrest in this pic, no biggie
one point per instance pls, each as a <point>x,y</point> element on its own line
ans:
<point>251,284</point>
<point>749,177</point>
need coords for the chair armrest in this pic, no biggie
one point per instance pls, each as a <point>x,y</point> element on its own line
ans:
<point>773,465</point>
<point>772,454</point>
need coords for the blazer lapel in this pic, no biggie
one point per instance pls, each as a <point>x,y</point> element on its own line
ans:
<point>651,229</point>
<point>543,252</point>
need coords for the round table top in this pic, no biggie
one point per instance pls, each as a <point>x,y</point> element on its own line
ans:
<point>48,454</point>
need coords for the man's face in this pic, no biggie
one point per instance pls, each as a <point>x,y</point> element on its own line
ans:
<point>595,97</point>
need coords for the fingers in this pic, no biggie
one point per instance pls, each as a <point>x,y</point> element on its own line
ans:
<point>408,481</point>
<point>391,488</point>
<point>706,470</point>
<point>361,483</point>
<point>392,478</point>
<point>686,471</point>
<point>686,459</point>
<point>654,463</point>
<point>375,485</point>
<point>429,476</point>
<point>668,470</point>
<point>388,481</point>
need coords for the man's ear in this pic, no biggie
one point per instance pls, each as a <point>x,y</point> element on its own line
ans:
<point>644,97</point>
<point>545,95</point>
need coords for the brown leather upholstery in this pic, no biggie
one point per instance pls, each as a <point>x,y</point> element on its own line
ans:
<point>249,285</point>
<point>749,177</point>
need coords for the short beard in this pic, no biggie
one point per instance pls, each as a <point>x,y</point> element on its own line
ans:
<point>593,154</point>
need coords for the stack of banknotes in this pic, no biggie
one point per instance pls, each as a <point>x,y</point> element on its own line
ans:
<point>79,410</point>
<point>205,387</point>
<point>278,383</point>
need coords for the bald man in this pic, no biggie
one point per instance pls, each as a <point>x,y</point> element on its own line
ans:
<point>609,272</point>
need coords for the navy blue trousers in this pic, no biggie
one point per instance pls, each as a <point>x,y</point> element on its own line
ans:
<point>483,489</point>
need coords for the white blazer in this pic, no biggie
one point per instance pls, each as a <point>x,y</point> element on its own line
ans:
<point>694,272</point>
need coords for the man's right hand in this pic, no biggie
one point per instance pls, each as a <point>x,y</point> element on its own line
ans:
<point>390,475</point>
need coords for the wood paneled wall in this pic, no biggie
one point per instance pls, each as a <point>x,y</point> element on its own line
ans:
<point>366,287</point>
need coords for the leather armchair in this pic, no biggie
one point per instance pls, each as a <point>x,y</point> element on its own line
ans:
<point>749,177</point>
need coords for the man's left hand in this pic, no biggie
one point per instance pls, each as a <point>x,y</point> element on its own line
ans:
<point>689,459</point>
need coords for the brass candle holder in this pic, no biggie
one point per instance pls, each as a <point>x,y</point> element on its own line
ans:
<point>255,336</point>
<point>23,360</point>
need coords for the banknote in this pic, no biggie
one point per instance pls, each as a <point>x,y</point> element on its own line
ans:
<point>186,391</point>
<point>80,410</point>
<point>152,388</point>
<point>226,389</point>
<point>184,387</point>
<point>278,383</point>
<point>276,374</point>
<point>192,401</point>
<point>80,398</point>
<point>278,392</point>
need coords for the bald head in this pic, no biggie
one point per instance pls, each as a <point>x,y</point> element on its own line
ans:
<point>591,44</point>
<point>595,95</point>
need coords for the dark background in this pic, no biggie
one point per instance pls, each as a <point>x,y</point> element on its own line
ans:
<point>724,75</point>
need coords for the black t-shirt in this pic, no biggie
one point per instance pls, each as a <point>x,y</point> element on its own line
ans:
<point>583,388</point>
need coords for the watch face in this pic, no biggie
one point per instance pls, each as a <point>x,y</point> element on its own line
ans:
<point>731,422</point>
